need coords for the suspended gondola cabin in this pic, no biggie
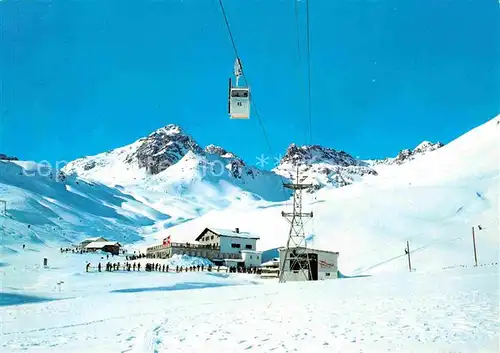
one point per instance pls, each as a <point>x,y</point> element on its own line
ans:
<point>239,102</point>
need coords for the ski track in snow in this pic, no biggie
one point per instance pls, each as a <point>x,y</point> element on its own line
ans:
<point>450,311</point>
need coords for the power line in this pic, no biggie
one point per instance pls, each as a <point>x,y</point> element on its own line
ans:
<point>252,101</point>
<point>309,72</point>
<point>296,10</point>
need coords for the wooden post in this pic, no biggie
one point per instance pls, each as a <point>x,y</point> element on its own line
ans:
<point>474,243</point>
<point>408,250</point>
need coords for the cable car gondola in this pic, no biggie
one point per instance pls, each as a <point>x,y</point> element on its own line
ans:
<point>239,97</point>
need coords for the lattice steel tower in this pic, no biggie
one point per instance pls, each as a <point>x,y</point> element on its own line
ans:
<point>295,251</point>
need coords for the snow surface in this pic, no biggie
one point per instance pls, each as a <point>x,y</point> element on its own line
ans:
<point>454,310</point>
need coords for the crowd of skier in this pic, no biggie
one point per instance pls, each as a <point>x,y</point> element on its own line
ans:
<point>150,267</point>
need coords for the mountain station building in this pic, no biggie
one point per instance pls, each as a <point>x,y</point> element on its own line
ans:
<point>112,247</point>
<point>87,241</point>
<point>323,264</point>
<point>221,246</point>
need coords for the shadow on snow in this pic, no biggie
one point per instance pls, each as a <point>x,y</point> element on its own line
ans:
<point>7,299</point>
<point>178,286</point>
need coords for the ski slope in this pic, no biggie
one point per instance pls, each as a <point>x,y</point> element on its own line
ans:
<point>454,310</point>
<point>44,211</point>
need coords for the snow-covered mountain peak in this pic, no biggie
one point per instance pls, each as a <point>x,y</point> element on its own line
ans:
<point>427,146</point>
<point>170,129</point>
<point>322,166</point>
<point>219,151</point>
<point>406,154</point>
<point>162,148</point>
<point>310,154</point>
<point>4,157</point>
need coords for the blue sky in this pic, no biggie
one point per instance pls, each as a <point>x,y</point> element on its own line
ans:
<point>83,77</point>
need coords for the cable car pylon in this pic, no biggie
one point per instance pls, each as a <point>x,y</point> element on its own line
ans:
<point>295,262</point>
<point>239,97</point>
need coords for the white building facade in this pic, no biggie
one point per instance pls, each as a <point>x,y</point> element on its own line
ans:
<point>251,258</point>
<point>228,241</point>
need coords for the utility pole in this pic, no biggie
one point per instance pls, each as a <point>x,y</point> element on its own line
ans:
<point>474,243</point>
<point>295,252</point>
<point>408,253</point>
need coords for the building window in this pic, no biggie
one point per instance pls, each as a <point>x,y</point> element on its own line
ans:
<point>234,245</point>
<point>327,274</point>
<point>250,257</point>
<point>257,257</point>
<point>212,237</point>
<point>248,246</point>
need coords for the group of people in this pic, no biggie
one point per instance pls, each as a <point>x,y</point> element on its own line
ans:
<point>112,267</point>
<point>135,257</point>
<point>157,267</point>
<point>72,250</point>
<point>250,270</point>
<point>149,267</point>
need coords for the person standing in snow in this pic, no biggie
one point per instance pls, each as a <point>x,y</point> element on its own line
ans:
<point>87,267</point>
<point>99,267</point>
<point>167,268</point>
<point>139,266</point>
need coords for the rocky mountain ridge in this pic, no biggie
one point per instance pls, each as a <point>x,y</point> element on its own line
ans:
<point>167,146</point>
<point>406,155</point>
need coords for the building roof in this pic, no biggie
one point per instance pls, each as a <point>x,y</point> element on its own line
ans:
<point>101,244</point>
<point>251,251</point>
<point>232,233</point>
<point>316,250</point>
<point>93,239</point>
<point>271,263</point>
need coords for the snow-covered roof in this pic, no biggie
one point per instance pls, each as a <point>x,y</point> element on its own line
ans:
<point>309,249</point>
<point>228,233</point>
<point>251,252</point>
<point>93,239</point>
<point>101,244</point>
<point>271,263</point>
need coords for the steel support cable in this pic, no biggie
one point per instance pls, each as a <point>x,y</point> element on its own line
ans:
<point>252,101</point>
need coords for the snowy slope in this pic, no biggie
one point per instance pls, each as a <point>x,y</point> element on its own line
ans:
<point>431,201</point>
<point>448,311</point>
<point>46,208</point>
